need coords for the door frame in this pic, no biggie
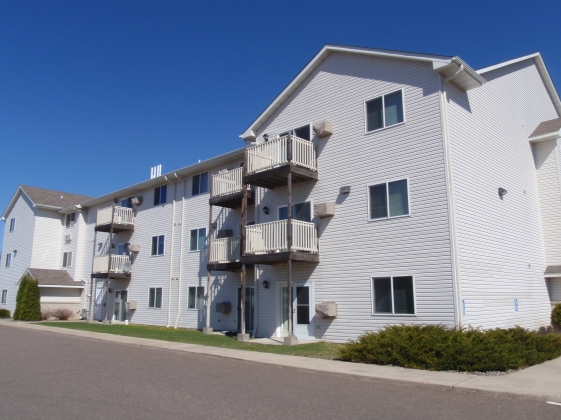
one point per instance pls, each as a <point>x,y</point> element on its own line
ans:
<point>278,330</point>
<point>238,296</point>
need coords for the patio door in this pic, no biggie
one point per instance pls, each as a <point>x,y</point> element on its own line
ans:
<point>99,299</point>
<point>120,312</point>
<point>302,314</point>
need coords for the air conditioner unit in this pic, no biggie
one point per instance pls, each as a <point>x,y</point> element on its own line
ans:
<point>134,247</point>
<point>130,306</point>
<point>68,238</point>
<point>137,201</point>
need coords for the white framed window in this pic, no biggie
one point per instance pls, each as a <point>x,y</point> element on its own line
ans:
<point>160,195</point>
<point>394,295</point>
<point>127,202</point>
<point>67,259</point>
<point>389,199</point>
<point>155,297</point>
<point>122,249</point>
<point>200,184</point>
<point>70,220</point>
<point>9,260</point>
<point>4,296</point>
<point>300,211</point>
<point>304,132</point>
<point>12,224</point>
<point>384,111</point>
<point>158,245</point>
<point>196,298</point>
<point>198,239</point>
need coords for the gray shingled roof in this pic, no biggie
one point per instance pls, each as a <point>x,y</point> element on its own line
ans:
<point>53,198</point>
<point>52,277</point>
<point>547,127</point>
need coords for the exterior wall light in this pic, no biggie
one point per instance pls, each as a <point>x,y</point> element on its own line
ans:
<point>502,192</point>
<point>265,284</point>
<point>266,210</point>
<point>266,137</point>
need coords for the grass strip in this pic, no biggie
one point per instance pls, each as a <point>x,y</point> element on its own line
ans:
<point>320,350</point>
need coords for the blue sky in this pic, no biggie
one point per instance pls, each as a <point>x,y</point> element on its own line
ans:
<point>172,82</point>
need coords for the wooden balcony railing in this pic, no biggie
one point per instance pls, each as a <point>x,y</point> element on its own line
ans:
<point>273,153</point>
<point>120,264</point>
<point>227,183</point>
<point>122,216</point>
<point>272,237</point>
<point>225,250</point>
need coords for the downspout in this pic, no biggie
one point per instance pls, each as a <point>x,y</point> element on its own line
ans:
<point>171,250</point>
<point>180,257</point>
<point>458,315</point>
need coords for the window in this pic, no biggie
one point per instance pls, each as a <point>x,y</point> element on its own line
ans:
<point>12,224</point>
<point>8,260</point>
<point>385,111</point>
<point>155,297</point>
<point>160,195</point>
<point>198,239</point>
<point>127,202</point>
<point>67,259</point>
<point>390,199</point>
<point>200,184</point>
<point>196,298</point>
<point>4,296</point>
<point>122,249</point>
<point>300,211</point>
<point>302,132</point>
<point>393,295</point>
<point>158,245</point>
<point>70,220</point>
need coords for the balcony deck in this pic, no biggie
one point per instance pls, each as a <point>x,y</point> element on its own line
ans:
<point>269,163</point>
<point>120,267</point>
<point>227,189</point>
<point>118,218</point>
<point>267,243</point>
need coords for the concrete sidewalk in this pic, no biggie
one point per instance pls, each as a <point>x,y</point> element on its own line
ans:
<point>542,382</point>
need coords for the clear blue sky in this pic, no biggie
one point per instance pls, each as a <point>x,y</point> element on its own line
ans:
<point>172,82</point>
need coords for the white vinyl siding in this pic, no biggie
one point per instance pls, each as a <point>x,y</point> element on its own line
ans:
<point>351,248</point>
<point>500,243</point>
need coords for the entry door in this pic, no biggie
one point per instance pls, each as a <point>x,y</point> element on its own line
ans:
<point>302,316</point>
<point>249,308</point>
<point>120,313</point>
<point>99,299</point>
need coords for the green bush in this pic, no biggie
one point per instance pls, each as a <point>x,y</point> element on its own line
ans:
<point>4,313</point>
<point>28,301</point>
<point>556,316</point>
<point>439,348</point>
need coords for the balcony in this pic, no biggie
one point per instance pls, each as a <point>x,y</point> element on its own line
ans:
<point>227,189</point>
<point>224,254</point>
<point>120,267</point>
<point>119,218</point>
<point>269,163</point>
<point>267,243</point>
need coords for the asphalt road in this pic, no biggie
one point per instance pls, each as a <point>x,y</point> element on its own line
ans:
<point>49,376</point>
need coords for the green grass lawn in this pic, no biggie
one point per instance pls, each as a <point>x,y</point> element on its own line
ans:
<point>320,350</point>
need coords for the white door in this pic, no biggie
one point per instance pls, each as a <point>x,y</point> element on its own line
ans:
<point>302,311</point>
<point>99,299</point>
<point>120,313</point>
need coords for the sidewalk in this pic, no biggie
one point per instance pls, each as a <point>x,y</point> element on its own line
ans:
<point>541,382</point>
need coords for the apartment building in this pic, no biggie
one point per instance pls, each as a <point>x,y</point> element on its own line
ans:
<point>379,188</point>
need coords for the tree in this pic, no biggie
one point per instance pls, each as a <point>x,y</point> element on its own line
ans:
<point>28,301</point>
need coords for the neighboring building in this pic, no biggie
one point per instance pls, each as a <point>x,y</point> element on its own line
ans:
<point>42,239</point>
<point>400,187</point>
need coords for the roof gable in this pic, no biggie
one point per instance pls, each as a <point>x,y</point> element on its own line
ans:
<point>464,76</point>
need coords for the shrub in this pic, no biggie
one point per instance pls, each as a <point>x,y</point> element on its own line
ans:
<point>62,314</point>
<point>28,306</point>
<point>556,316</point>
<point>4,313</point>
<point>439,348</point>
<point>45,315</point>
